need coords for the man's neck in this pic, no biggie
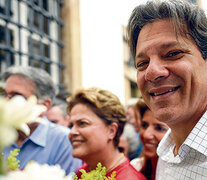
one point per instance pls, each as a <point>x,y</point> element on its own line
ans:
<point>22,136</point>
<point>182,128</point>
<point>180,132</point>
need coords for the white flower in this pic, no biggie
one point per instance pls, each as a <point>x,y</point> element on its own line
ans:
<point>14,114</point>
<point>35,171</point>
<point>7,135</point>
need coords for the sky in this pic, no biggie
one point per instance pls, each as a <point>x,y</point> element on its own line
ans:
<point>101,42</point>
<point>102,46</point>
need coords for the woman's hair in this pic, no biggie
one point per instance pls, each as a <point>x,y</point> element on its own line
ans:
<point>141,107</point>
<point>104,104</point>
<point>187,18</point>
<point>146,169</point>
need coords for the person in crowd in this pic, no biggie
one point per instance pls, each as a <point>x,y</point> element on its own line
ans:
<point>151,133</point>
<point>168,42</point>
<point>131,114</point>
<point>132,133</point>
<point>124,145</point>
<point>138,105</point>
<point>57,116</point>
<point>132,138</point>
<point>97,119</point>
<point>47,143</point>
<point>57,112</point>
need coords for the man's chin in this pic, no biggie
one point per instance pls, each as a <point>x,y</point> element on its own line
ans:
<point>163,114</point>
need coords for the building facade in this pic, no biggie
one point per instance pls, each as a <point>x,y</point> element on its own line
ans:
<point>30,35</point>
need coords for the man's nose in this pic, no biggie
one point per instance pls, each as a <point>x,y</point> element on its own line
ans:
<point>156,70</point>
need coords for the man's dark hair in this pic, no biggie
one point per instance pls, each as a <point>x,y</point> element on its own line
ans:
<point>187,18</point>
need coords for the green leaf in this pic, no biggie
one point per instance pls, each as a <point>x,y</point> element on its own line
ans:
<point>98,174</point>
<point>12,161</point>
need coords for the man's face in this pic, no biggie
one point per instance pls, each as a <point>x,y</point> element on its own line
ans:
<point>56,115</point>
<point>18,85</point>
<point>130,114</point>
<point>171,73</point>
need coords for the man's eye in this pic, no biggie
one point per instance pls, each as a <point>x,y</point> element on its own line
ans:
<point>141,65</point>
<point>54,121</point>
<point>174,54</point>
<point>70,125</point>
<point>14,94</point>
<point>17,94</point>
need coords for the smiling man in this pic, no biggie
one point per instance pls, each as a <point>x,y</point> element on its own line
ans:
<point>168,42</point>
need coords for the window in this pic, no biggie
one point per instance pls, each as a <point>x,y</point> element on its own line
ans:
<point>39,54</point>
<point>6,47</point>
<point>5,7</point>
<point>37,18</point>
<point>194,1</point>
<point>30,35</point>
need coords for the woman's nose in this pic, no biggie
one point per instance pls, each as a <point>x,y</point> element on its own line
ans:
<point>148,133</point>
<point>73,132</point>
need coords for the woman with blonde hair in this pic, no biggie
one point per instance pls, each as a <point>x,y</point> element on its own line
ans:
<point>97,119</point>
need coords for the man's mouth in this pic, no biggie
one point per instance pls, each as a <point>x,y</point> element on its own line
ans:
<point>164,92</point>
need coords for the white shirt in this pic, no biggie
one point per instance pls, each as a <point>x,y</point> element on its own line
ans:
<point>138,163</point>
<point>191,161</point>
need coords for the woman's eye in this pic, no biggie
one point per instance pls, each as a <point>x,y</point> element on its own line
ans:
<point>160,128</point>
<point>82,123</point>
<point>144,125</point>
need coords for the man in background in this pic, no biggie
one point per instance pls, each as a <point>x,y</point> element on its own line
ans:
<point>57,113</point>
<point>131,131</point>
<point>47,142</point>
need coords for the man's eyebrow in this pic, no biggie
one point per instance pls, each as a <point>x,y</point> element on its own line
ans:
<point>172,44</point>
<point>162,47</point>
<point>139,55</point>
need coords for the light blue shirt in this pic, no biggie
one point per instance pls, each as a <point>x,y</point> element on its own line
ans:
<point>48,144</point>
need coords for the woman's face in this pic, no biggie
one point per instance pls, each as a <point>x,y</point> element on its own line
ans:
<point>89,135</point>
<point>151,133</point>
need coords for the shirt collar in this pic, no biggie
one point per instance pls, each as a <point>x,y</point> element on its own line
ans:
<point>196,140</point>
<point>39,136</point>
<point>165,148</point>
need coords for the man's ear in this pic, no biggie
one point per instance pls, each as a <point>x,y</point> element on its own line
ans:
<point>112,130</point>
<point>67,120</point>
<point>47,103</point>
